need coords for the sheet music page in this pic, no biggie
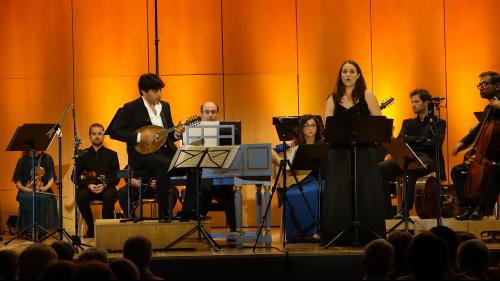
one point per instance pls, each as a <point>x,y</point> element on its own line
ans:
<point>187,156</point>
<point>195,133</point>
<point>220,156</point>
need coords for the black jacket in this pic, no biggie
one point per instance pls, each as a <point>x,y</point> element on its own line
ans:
<point>421,138</point>
<point>134,115</point>
<point>469,138</point>
<point>102,162</point>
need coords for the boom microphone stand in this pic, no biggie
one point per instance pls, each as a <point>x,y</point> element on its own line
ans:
<point>435,115</point>
<point>76,241</point>
<point>57,130</point>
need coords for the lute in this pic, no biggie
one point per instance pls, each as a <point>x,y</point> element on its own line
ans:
<point>161,135</point>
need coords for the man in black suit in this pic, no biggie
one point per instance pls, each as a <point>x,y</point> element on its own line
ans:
<point>103,162</point>
<point>477,208</point>
<point>419,134</point>
<point>149,109</point>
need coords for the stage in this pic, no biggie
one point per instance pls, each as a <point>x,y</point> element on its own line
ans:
<point>195,260</point>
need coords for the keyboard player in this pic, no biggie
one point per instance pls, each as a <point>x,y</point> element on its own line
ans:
<point>221,193</point>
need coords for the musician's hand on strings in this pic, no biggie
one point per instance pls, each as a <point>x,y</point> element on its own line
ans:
<point>179,130</point>
<point>495,102</point>
<point>135,182</point>
<point>44,188</point>
<point>290,143</point>
<point>153,184</point>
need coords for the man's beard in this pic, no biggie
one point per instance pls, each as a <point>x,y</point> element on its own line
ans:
<point>97,142</point>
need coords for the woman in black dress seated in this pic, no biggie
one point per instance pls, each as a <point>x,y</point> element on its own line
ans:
<point>351,98</point>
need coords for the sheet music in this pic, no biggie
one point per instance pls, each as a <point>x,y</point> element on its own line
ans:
<point>189,156</point>
<point>200,131</point>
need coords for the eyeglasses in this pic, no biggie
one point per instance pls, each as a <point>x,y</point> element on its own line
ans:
<point>483,85</point>
<point>307,125</point>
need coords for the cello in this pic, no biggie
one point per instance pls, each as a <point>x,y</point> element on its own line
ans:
<point>481,158</point>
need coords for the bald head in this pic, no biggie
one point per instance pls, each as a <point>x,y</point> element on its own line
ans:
<point>209,111</point>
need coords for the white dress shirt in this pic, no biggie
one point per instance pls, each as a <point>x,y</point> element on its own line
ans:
<point>155,118</point>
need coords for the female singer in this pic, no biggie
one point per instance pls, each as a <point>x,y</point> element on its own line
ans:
<point>351,98</point>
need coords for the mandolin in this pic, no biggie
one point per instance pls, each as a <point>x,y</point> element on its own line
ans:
<point>386,103</point>
<point>161,135</point>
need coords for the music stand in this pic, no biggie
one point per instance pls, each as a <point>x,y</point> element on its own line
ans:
<point>406,159</point>
<point>286,127</point>
<point>310,157</point>
<point>31,137</point>
<point>197,158</point>
<point>356,131</point>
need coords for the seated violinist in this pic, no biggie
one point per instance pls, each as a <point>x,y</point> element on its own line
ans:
<point>475,207</point>
<point>302,221</point>
<point>97,180</point>
<point>46,207</point>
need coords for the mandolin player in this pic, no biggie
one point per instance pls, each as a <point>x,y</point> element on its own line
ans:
<point>475,209</point>
<point>96,173</point>
<point>146,110</point>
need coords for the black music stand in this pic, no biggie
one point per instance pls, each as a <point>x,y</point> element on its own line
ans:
<point>286,127</point>
<point>197,158</point>
<point>31,137</point>
<point>406,159</point>
<point>312,157</point>
<point>354,132</point>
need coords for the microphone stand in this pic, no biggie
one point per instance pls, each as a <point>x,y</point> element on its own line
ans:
<point>57,131</point>
<point>435,115</point>
<point>76,241</point>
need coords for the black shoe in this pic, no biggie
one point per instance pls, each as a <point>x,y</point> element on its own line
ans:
<point>89,234</point>
<point>477,215</point>
<point>187,216</point>
<point>165,219</point>
<point>466,212</point>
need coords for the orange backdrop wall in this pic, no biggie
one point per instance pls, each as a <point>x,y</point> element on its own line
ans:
<point>255,58</point>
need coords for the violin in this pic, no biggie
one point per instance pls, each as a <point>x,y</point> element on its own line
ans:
<point>91,177</point>
<point>39,173</point>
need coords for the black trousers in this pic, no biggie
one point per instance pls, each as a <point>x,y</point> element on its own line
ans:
<point>390,170</point>
<point>85,196</point>
<point>459,176</point>
<point>147,193</point>
<point>224,194</point>
<point>492,189</point>
<point>157,164</point>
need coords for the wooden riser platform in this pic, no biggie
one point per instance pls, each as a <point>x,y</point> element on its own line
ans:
<point>475,227</point>
<point>112,234</point>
